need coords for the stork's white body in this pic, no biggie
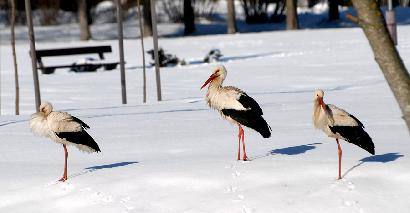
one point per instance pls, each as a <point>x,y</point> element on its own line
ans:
<point>332,116</point>
<point>48,126</point>
<point>235,106</point>
<point>339,124</point>
<point>64,129</point>
<point>219,98</point>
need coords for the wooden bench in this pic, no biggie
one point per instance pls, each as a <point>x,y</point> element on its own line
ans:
<point>100,50</point>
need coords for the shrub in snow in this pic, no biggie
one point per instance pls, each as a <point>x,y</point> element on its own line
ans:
<point>104,12</point>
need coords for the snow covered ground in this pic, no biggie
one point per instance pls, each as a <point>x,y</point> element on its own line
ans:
<point>179,156</point>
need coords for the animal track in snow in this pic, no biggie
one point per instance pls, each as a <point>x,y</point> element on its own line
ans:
<point>125,202</point>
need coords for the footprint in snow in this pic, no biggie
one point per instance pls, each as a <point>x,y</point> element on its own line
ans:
<point>236,174</point>
<point>246,209</point>
<point>344,185</point>
<point>125,202</point>
<point>353,204</point>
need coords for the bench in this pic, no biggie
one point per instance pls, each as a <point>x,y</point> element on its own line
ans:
<point>100,50</point>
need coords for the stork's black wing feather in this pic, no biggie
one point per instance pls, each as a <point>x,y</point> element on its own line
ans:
<point>355,135</point>
<point>249,119</point>
<point>357,120</point>
<point>81,137</point>
<point>250,104</point>
<point>84,125</point>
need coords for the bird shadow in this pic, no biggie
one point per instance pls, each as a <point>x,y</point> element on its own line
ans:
<point>292,150</point>
<point>383,158</point>
<point>105,166</point>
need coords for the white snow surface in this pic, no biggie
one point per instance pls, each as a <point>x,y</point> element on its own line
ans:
<point>179,156</point>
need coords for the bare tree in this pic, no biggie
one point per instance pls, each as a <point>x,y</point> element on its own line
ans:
<point>32,42</point>
<point>231,23</point>
<point>144,76</point>
<point>333,10</point>
<point>13,47</point>
<point>83,20</point>
<point>291,15</point>
<point>147,18</point>
<point>189,17</point>
<point>371,20</point>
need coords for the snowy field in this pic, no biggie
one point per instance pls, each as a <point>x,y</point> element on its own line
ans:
<point>179,156</point>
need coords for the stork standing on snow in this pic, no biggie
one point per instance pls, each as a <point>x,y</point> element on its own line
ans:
<point>339,124</point>
<point>62,128</point>
<point>235,106</point>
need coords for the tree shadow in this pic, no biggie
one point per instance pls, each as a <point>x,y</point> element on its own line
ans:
<point>384,158</point>
<point>292,150</point>
<point>106,166</point>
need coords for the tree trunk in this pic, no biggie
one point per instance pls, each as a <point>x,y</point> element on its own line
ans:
<point>291,15</point>
<point>144,75</point>
<point>121,51</point>
<point>13,47</point>
<point>231,18</point>
<point>155,40</point>
<point>189,17</point>
<point>147,18</point>
<point>333,10</point>
<point>83,20</point>
<point>371,20</point>
<point>32,40</point>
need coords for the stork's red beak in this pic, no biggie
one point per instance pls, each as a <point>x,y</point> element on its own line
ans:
<point>211,78</point>
<point>321,103</point>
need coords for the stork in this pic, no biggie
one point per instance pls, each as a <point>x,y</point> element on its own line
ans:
<point>235,106</point>
<point>64,129</point>
<point>339,124</point>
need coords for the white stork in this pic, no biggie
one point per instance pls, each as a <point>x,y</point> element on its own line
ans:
<point>62,128</point>
<point>339,124</point>
<point>236,107</point>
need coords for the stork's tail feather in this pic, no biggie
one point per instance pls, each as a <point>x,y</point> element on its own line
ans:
<point>355,135</point>
<point>263,128</point>
<point>81,139</point>
<point>249,119</point>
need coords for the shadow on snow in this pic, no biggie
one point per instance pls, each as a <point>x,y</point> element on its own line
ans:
<point>383,158</point>
<point>106,166</point>
<point>292,150</point>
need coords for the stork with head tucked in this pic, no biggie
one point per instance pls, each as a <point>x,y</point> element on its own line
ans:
<point>339,124</point>
<point>235,106</point>
<point>64,129</point>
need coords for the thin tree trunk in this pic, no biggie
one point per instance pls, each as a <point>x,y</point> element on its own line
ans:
<point>333,10</point>
<point>32,41</point>
<point>83,20</point>
<point>0,75</point>
<point>155,40</point>
<point>144,76</point>
<point>121,50</point>
<point>371,19</point>
<point>147,18</point>
<point>231,18</point>
<point>189,17</point>
<point>13,46</point>
<point>291,15</point>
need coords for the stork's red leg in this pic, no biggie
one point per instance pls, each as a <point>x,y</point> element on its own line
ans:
<point>64,178</point>
<point>239,143</point>
<point>339,152</point>
<point>245,158</point>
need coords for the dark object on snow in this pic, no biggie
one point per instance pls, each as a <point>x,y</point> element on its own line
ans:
<point>213,56</point>
<point>85,65</point>
<point>165,59</point>
<point>100,50</point>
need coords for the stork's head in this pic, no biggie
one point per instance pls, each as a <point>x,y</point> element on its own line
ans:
<point>319,98</point>
<point>46,108</point>
<point>218,76</point>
